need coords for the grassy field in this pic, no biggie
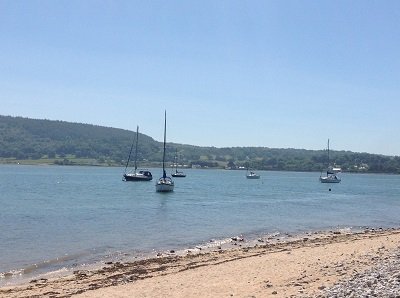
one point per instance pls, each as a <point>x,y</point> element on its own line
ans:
<point>73,161</point>
<point>59,161</point>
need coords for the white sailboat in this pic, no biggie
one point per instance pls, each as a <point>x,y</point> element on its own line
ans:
<point>177,174</point>
<point>142,175</point>
<point>331,172</point>
<point>165,183</point>
<point>252,175</point>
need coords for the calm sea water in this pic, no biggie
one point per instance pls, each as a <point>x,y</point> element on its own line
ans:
<point>58,218</point>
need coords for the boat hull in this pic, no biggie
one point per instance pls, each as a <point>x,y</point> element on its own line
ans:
<point>165,185</point>
<point>329,179</point>
<point>136,178</point>
<point>141,176</point>
<point>253,177</point>
<point>178,175</point>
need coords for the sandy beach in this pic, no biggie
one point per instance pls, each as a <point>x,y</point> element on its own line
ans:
<point>302,266</point>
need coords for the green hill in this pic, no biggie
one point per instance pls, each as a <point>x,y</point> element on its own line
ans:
<point>31,139</point>
<point>57,142</point>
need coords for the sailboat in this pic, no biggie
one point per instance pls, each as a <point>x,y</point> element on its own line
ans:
<point>165,183</point>
<point>252,175</point>
<point>330,173</point>
<point>177,174</point>
<point>142,175</point>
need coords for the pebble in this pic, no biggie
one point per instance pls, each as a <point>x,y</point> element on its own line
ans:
<point>383,280</point>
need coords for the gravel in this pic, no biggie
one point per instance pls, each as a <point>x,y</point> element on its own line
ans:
<point>382,280</point>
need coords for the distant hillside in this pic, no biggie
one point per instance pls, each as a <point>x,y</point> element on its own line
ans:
<point>24,138</point>
<point>45,141</point>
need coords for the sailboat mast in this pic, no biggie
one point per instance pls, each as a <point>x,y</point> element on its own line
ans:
<point>329,162</point>
<point>176,161</point>
<point>165,139</point>
<point>137,141</point>
<point>129,158</point>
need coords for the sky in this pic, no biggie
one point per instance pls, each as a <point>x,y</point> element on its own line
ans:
<point>278,74</point>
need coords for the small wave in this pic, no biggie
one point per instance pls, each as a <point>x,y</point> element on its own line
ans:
<point>10,274</point>
<point>47,267</point>
<point>50,263</point>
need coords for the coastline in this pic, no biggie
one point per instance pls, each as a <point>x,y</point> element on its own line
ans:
<point>156,165</point>
<point>295,266</point>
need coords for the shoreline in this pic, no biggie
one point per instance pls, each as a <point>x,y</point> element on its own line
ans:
<point>38,162</point>
<point>302,264</point>
<point>21,276</point>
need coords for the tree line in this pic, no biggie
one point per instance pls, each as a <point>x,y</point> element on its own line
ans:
<point>63,142</point>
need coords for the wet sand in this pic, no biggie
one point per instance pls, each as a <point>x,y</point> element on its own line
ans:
<point>302,266</point>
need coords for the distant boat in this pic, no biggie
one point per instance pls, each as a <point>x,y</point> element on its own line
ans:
<point>177,174</point>
<point>142,175</point>
<point>330,178</point>
<point>252,175</point>
<point>330,173</point>
<point>165,183</point>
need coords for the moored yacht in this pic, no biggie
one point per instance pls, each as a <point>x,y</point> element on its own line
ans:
<point>165,183</point>
<point>252,175</point>
<point>142,175</point>
<point>177,174</point>
<point>331,172</point>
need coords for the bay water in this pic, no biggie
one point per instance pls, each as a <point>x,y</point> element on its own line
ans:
<point>57,218</point>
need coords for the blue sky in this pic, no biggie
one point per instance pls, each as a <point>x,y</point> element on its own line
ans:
<point>280,74</point>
